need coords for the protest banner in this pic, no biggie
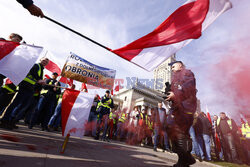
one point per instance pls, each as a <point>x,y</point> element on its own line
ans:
<point>79,69</point>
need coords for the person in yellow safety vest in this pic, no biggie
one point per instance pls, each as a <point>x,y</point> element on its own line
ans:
<point>47,102</point>
<point>103,108</point>
<point>121,124</point>
<point>227,129</point>
<point>246,139</point>
<point>111,124</point>
<point>23,98</point>
<point>7,92</point>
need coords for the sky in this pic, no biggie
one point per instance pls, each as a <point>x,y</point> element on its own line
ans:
<point>115,23</point>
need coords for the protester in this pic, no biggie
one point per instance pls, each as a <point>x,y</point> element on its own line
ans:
<point>55,120</point>
<point>33,9</point>
<point>195,148</point>
<point>103,108</point>
<point>92,120</point>
<point>183,97</point>
<point>227,128</point>
<point>246,138</point>
<point>23,98</point>
<point>204,129</point>
<point>47,102</point>
<point>159,118</point>
<point>217,143</point>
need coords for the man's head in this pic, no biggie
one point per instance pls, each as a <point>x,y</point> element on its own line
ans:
<point>223,115</point>
<point>54,75</point>
<point>107,93</point>
<point>215,117</point>
<point>159,104</point>
<point>176,66</point>
<point>15,37</point>
<point>44,61</point>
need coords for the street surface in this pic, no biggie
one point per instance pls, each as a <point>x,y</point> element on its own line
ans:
<point>35,148</point>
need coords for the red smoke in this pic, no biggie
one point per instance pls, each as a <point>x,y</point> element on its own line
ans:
<point>231,77</point>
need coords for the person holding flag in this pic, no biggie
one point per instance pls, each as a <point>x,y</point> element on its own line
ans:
<point>24,96</point>
<point>33,9</point>
<point>47,102</point>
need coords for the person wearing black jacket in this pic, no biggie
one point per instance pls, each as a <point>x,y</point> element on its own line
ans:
<point>24,96</point>
<point>103,108</point>
<point>183,107</point>
<point>227,129</point>
<point>203,130</point>
<point>47,102</point>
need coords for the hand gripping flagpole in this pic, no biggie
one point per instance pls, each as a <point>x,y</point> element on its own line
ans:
<point>46,17</point>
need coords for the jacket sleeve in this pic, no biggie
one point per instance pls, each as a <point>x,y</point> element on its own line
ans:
<point>58,90</point>
<point>188,86</point>
<point>25,3</point>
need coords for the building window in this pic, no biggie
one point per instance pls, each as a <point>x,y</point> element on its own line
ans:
<point>125,98</point>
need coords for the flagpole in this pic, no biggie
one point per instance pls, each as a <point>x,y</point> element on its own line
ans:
<point>66,140</point>
<point>91,40</point>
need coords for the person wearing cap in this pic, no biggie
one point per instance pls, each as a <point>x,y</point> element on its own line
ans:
<point>103,108</point>
<point>24,96</point>
<point>184,103</point>
<point>47,102</point>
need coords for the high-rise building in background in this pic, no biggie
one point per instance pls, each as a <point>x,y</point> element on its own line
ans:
<point>162,74</point>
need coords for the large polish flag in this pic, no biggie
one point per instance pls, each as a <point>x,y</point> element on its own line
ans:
<point>185,24</point>
<point>17,59</point>
<point>76,107</point>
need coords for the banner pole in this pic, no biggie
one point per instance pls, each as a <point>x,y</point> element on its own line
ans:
<point>60,24</point>
<point>65,143</point>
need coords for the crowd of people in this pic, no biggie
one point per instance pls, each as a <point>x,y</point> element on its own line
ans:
<point>177,128</point>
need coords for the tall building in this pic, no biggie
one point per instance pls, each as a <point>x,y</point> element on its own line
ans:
<point>162,74</point>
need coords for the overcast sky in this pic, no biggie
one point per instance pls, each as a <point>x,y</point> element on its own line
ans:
<point>115,23</point>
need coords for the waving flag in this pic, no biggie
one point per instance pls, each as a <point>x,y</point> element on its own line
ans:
<point>17,59</point>
<point>187,22</point>
<point>75,112</point>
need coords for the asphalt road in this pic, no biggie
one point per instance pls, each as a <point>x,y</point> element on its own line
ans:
<point>35,148</point>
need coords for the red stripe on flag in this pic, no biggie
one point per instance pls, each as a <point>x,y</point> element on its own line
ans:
<point>185,23</point>
<point>53,67</point>
<point>6,47</point>
<point>68,100</point>
<point>209,117</point>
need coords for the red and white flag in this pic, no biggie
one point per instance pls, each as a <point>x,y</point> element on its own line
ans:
<point>55,65</point>
<point>76,107</point>
<point>16,59</point>
<point>186,23</point>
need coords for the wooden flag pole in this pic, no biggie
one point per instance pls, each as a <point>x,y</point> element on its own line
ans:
<point>65,143</point>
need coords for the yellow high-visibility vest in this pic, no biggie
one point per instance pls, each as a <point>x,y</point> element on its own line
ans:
<point>122,118</point>
<point>44,91</point>
<point>30,79</point>
<point>11,91</point>
<point>245,130</point>
<point>229,122</point>
<point>112,116</point>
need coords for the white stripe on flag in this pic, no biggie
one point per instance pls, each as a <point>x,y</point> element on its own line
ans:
<point>18,63</point>
<point>79,115</point>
